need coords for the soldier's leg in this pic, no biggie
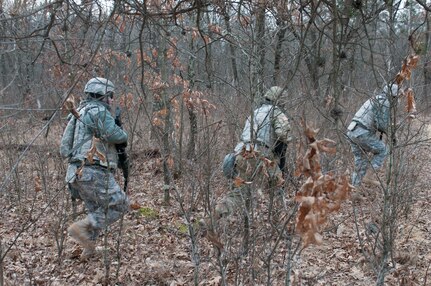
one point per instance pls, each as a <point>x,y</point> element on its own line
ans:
<point>275,188</point>
<point>379,150</point>
<point>104,201</point>
<point>111,201</point>
<point>238,196</point>
<point>82,231</point>
<point>361,163</point>
<point>234,199</point>
<point>368,143</point>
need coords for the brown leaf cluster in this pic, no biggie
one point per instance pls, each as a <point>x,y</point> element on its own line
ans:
<point>409,64</point>
<point>406,70</point>
<point>238,182</point>
<point>321,194</point>
<point>37,184</point>
<point>411,103</point>
<point>127,101</point>
<point>309,164</point>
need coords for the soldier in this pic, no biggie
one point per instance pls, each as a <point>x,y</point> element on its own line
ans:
<point>89,142</point>
<point>371,118</point>
<point>255,157</point>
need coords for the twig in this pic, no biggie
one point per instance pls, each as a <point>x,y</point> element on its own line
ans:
<point>1,264</point>
<point>425,278</point>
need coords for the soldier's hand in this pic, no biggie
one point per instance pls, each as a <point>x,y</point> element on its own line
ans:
<point>121,146</point>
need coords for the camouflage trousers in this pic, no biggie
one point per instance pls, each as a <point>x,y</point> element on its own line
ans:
<point>103,197</point>
<point>255,171</point>
<point>362,146</point>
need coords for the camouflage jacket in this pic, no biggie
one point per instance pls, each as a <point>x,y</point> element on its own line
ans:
<point>373,116</point>
<point>270,124</point>
<point>95,121</point>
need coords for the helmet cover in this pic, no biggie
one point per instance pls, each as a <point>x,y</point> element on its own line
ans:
<point>100,86</point>
<point>273,93</point>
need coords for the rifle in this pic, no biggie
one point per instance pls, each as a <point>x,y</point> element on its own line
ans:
<point>123,159</point>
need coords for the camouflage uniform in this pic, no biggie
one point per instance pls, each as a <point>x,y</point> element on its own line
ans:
<point>255,160</point>
<point>372,117</point>
<point>92,179</point>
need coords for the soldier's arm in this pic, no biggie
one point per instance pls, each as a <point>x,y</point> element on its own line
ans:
<point>107,129</point>
<point>281,125</point>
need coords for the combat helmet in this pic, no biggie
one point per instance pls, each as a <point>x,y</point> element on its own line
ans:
<point>273,94</point>
<point>99,87</point>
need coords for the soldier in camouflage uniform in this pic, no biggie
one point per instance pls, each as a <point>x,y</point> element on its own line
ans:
<point>371,118</point>
<point>255,160</point>
<point>92,179</point>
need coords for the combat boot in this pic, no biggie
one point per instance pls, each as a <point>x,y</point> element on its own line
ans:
<point>80,232</point>
<point>371,178</point>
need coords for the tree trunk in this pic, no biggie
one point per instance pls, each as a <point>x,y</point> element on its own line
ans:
<point>166,128</point>
<point>278,48</point>
<point>191,145</point>
<point>427,65</point>
<point>259,53</point>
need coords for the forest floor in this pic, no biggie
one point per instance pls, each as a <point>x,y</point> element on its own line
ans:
<point>155,247</point>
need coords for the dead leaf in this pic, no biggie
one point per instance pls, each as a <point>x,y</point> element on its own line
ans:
<point>268,163</point>
<point>214,281</point>
<point>238,182</point>
<point>170,162</point>
<point>135,206</point>
<point>327,146</point>
<point>76,253</point>
<point>412,61</point>
<point>399,78</point>
<point>69,105</point>
<point>37,184</point>
<point>411,103</point>
<point>310,133</point>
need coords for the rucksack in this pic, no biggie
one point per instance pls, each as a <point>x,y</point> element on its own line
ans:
<point>229,166</point>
